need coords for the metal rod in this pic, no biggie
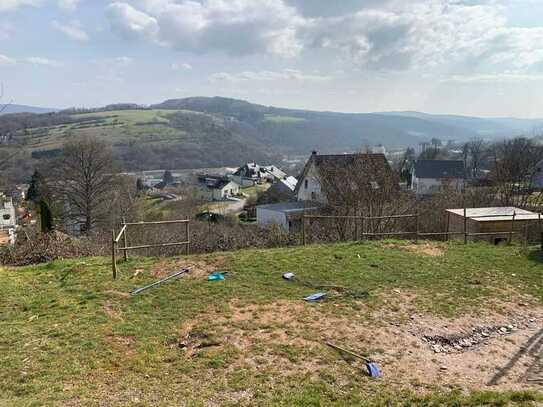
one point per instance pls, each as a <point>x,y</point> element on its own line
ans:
<point>356,355</point>
<point>170,277</point>
<point>148,246</point>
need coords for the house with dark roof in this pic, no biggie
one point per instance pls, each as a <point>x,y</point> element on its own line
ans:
<point>217,187</point>
<point>431,176</point>
<point>253,173</point>
<point>328,174</point>
<point>537,177</point>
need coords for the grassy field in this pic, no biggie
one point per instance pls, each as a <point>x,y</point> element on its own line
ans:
<point>115,126</point>
<point>72,336</point>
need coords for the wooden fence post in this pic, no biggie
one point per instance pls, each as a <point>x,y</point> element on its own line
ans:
<point>465,221</point>
<point>540,230</point>
<point>418,226</point>
<point>113,255</point>
<point>187,232</point>
<point>512,228</point>
<point>448,223</point>
<point>303,229</point>
<point>125,240</point>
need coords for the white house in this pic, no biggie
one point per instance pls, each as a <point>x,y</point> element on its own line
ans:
<point>374,167</point>
<point>288,215</point>
<point>431,176</point>
<point>252,173</point>
<point>8,220</point>
<point>537,178</point>
<point>217,188</point>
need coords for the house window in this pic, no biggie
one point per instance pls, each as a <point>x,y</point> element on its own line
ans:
<point>313,196</point>
<point>306,184</point>
<point>6,217</point>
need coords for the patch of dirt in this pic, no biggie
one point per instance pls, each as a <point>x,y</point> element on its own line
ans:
<point>110,311</point>
<point>118,293</point>
<point>432,249</point>
<point>286,338</point>
<point>198,269</point>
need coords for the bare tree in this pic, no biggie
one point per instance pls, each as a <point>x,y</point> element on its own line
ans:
<point>360,184</point>
<point>83,180</point>
<point>474,153</point>
<point>514,165</point>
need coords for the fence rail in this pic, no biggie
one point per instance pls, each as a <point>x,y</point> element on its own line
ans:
<point>418,234</point>
<point>123,234</point>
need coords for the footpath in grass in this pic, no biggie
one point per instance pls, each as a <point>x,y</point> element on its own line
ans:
<point>72,336</point>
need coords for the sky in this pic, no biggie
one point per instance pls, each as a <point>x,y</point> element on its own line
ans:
<point>471,57</point>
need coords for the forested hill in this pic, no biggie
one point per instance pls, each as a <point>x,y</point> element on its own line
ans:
<point>202,132</point>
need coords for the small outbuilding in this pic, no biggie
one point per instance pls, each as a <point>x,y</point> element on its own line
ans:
<point>288,215</point>
<point>217,188</point>
<point>493,224</point>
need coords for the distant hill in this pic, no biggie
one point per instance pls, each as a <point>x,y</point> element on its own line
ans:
<point>203,132</point>
<point>13,108</point>
<point>298,129</point>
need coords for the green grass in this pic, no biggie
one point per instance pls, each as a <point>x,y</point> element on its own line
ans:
<point>70,335</point>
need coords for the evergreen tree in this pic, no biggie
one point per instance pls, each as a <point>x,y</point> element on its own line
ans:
<point>35,190</point>
<point>46,218</point>
<point>140,187</point>
<point>167,178</point>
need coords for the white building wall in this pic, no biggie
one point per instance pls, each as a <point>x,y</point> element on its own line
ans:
<point>310,187</point>
<point>7,215</point>
<point>429,186</point>
<point>266,217</point>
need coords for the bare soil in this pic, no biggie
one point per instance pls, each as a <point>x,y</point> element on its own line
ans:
<point>432,249</point>
<point>286,338</point>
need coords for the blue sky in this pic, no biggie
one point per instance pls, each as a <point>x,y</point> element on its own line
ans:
<point>477,57</point>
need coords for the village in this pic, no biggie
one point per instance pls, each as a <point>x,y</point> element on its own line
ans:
<point>265,195</point>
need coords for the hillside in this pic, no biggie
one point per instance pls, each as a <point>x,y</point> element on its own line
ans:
<point>203,132</point>
<point>14,108</point>
<point>72,336</point>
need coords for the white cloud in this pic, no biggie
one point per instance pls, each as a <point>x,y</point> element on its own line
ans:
<point>370,34</point>
<point>5,60</point>
<point>72,30</point>
<point>237,27</point>
<point>68,5</point>
<point>8,5</point>
<point>44,61</point>
<point>176,67</point>
<point>120,61</point>
<point>132,23</point>
<point>493,78</point>
<point>265,76</point>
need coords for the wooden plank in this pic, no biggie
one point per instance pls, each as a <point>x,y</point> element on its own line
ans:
<point>162,222</point>
<point>148,246</point>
